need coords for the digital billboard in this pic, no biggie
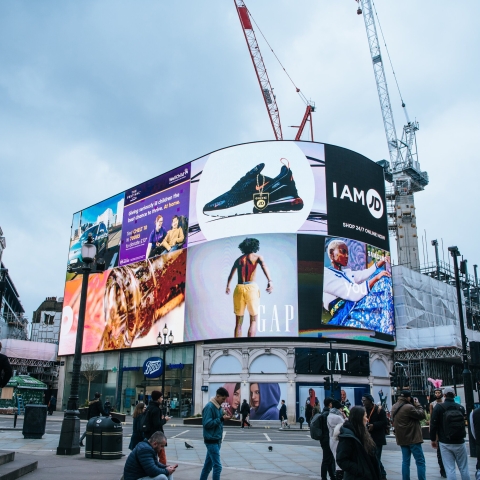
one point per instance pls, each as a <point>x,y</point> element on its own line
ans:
<point>264,399</point>
<point>236,244</point>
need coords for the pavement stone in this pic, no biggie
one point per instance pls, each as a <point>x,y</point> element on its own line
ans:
<point>240,460</point>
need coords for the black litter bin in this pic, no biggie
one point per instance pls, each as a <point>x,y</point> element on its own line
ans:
<point>34,421</point>
<point>104,438</point>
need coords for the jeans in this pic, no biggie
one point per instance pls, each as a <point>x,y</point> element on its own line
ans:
<point>212,460</point>
<point>452,453</point>
<point>328,462</point>
<point>158,477</point>
<point>417,452</point>
<point>378,454</point>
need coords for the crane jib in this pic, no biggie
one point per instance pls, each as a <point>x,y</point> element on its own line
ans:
<point>243,13</point>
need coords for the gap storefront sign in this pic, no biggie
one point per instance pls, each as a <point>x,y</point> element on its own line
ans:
<point>319,361</point>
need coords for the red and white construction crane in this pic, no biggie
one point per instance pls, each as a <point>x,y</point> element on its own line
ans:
<point>264,81</point>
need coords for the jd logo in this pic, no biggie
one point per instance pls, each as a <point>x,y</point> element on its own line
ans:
<point>373,201</point>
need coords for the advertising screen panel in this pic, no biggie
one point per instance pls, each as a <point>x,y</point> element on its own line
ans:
<point>104,222</point>
<point>236,244</point>
<point>264,399</point>
<point>229,293</point>
<point>156,216</point>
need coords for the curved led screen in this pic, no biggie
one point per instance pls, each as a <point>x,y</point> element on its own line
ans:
<point>267,239</point>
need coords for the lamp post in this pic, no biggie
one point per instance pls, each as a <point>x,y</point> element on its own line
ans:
<point>162,343</point>
<point>467,375</point>
<point>69,443</point>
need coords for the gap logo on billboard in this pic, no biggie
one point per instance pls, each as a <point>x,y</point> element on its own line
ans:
<point>355,197</point>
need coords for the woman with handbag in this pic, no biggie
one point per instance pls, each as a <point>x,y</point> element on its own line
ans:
<point>356,448</point>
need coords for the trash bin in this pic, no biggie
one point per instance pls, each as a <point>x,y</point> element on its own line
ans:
<point>104,438</point>
<point>34,421</point>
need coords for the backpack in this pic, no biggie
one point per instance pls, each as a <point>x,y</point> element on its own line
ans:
<point>145,426</point>
<point>453,422</point>
<point>316,431</point>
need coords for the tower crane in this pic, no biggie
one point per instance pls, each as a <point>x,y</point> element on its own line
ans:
<point>403,170</point>
<point>264,81</point>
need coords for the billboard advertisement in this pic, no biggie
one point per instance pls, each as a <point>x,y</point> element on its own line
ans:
<point>264,399</point>
<point>236,244</point>
<point>239,287</point>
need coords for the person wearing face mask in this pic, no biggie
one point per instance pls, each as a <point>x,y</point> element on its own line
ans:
<point>438,399</point>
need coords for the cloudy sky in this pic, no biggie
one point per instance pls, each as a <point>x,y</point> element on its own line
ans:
<point>98,96</point>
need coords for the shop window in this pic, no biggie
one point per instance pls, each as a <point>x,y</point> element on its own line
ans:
<point>226,364</point>
<point>268,364</point>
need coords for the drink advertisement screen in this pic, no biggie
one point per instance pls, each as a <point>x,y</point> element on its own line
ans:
<point>266,239</point>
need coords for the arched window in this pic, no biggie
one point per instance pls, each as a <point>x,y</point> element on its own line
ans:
<point>268,364</point>
<point>226,364</point>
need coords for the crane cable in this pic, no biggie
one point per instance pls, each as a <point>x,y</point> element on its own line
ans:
<point>302,96</point>
<point>388,54</point>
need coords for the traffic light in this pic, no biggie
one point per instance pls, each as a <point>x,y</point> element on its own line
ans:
<point>327,385</point>
<point>336,386</point>
<point>393,379</point>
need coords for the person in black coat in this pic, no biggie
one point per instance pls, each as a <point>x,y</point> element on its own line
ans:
<point>154,415</point>
<point>6,371</point>
<point>245,412</point>
<point>356,449</point>
<point>377,423</point>
<point>282,414</point>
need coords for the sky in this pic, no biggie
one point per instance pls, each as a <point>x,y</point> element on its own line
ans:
<point>98,96</point>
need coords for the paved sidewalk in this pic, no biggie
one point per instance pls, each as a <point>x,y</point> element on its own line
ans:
<point>239,460</point>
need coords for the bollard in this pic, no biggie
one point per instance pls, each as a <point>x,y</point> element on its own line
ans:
<point>15,420</point>
<point>301,420</point>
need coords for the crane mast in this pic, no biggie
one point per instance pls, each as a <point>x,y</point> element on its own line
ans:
<point>403,170</point>
<point>260,69</point>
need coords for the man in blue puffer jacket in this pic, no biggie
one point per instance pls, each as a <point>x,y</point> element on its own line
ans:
<point>212,421</point>
<point>142,463</point>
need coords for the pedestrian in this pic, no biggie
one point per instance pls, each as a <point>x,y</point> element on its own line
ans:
<point>475,428</point>
<point>6,371</point>
<point>137,431</point>
<point>447,432</point>
<point>95,409</point>
<point>213,417</point>
<point>52,404</point>
<point>308,412</point>
<point>335,420</point>
<point>376,425</point>
<point>142,463</point>
<point>356,449</point>
<point>245,412</point>
<point>282,415</point>
<point>328,460</point>
<point>438,399</point>
<point>154,420</point>
<point>107,406</point>
<point>406,416</point>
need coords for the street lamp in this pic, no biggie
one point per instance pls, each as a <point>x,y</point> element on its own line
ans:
<point>69,443</point>
<point>164,346</point>
<point>467,375</point>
